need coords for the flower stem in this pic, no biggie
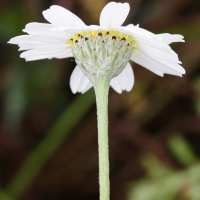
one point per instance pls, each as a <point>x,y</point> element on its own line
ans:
<point>101,87</point>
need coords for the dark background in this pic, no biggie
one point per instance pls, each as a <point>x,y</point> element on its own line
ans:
<point>154,130</point>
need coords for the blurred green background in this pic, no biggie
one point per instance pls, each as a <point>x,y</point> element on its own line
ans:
<point>48,136</point>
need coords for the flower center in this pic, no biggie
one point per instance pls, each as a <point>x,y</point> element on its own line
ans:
<point>102,53</point>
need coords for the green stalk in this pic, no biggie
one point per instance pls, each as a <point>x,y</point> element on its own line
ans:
<point>101,87</point>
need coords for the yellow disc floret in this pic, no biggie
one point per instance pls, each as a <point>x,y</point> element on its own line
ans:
<point>93,34</point>
<point>112,34</point>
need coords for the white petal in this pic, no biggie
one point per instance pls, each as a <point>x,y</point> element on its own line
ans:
<point>164,57</point>
<point>124,81</point>
<point>79,82</point>
<point>141,31</point>
<point>165,37</point>
<point>114,14</point>
<point>70,31</point>
<point>35,28</point>
<point>97,28</point>
<point>43,47</point>
<point>168,38</point>
<point>36,39</point>
<point>153,53</point>
<point>156,66</point>
<point>38,54</point>
<point>60,16</point>
<point>137,58</point>
<point>159,53</point>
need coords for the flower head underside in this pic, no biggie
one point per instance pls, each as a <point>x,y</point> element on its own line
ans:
<point>99,50</point>
<point>102,53</point>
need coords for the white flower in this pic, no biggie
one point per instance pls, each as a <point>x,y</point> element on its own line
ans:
<point>57,40</point>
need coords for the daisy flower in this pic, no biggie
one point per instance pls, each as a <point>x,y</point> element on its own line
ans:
<point>104,49</point>
<point>102,54</point>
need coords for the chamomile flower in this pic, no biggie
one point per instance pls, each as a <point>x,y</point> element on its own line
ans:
<point>99,50</point>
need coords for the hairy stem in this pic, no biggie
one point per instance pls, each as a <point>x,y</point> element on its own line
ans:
<point>101,86</point>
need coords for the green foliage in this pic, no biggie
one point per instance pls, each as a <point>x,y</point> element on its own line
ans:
<point>182,150</point>
<point>167,184</point>
<point>5,196</point>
